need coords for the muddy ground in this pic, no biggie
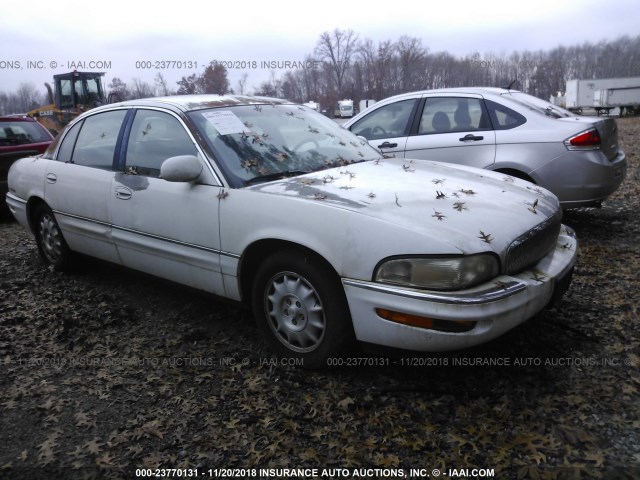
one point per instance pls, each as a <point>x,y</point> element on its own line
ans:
<point>104,371</point>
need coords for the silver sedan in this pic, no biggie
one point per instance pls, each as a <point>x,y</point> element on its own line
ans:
<point>577,158</point>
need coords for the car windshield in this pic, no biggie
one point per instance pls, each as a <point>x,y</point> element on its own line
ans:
<point>21,133</point>
<point>539,105</point>
<point>254,143</point>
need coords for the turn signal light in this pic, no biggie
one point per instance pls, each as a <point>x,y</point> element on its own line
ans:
<point>448,326</point>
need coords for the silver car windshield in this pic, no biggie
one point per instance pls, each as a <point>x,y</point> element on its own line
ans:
<point>254,143</point>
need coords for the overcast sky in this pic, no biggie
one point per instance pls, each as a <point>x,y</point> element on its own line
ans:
<point>43,38</point>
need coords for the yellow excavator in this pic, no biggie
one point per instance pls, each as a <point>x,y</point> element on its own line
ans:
<point>73,94</point>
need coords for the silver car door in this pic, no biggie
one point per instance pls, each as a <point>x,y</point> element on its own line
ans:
<point>387,126</point>
<point>78,182</point>
<point>453,129</point>
<point>167,229</point>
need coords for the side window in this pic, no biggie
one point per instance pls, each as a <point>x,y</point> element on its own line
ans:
<point>504,118</point>
<point>452,114</point>
<point>66,147</point>
<point>155,136</point>
<point>96,142</point>
<point>386,122</point>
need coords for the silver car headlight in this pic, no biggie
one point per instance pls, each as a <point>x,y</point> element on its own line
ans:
<point>438,273</point>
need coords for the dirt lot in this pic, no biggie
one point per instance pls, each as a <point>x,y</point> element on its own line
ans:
<point>104,371</point>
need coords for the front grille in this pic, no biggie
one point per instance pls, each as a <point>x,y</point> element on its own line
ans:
<point>530,248</point>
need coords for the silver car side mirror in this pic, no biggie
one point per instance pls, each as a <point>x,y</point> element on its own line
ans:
<point>183,168</point>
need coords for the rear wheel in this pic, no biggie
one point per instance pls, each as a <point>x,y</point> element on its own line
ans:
<point>300,306</point>
<point>51,244</point>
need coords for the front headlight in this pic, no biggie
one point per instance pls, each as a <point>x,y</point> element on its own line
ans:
<point>438,273</point>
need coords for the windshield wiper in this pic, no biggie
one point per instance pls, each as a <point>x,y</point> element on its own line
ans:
<point>274,176</point>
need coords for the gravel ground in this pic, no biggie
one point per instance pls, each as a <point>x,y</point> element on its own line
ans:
<point>104,371</point>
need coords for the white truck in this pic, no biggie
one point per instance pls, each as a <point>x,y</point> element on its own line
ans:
<point>345,108</point>
<point>364,104</point>
<point>312,105</point>
<point>604,94</point>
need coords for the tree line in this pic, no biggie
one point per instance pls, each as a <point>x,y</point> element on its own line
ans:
<point>350,67</point>
<point>343,65</point>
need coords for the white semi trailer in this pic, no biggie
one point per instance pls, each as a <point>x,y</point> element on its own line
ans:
<point>604,94</point>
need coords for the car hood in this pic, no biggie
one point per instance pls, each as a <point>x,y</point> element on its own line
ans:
<point>474,210</point>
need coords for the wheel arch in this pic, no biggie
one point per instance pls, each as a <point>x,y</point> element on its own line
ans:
<point>259,250</point>
<point>516,173</point>
<point>32,206</point>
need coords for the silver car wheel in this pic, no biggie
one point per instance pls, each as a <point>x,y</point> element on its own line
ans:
<point>295,312</point>
<point>50,238</point>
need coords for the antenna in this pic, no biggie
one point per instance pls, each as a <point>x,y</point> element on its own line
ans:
<point>511,84</point>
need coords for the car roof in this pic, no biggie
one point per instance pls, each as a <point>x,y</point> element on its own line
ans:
<point>187,103</point>
<point>457,90</point>
<point>18,117</point>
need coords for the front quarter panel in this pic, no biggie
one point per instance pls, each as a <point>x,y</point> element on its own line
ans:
<point>352,242</point>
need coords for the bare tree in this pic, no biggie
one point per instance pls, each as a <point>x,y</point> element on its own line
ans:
<point>383,68</point>
<point>266,89</point>
<point>337,48</point>
<point>292,87</point>
<point>119,89</point>
<point>364,68</point>
<point>242,83</point>
<point>162,87</point>
<point>141,89</point>
<point>188,85</point>
<point>28,97</point>
<point>411,58</point>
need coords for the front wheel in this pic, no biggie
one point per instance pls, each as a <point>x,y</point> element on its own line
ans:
<point>300,305</point>
<point>51,244</point>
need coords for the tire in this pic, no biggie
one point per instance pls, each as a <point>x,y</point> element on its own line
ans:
<point>300,306</point>
<point>51,244</point>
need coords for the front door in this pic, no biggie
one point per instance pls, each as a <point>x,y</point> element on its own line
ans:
<point>168,229</point>
<point>386,128</point>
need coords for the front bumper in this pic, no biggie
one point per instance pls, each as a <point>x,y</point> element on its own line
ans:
<point>496,307</point>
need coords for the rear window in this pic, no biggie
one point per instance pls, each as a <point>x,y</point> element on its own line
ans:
<point>503,118</point>
<point>538,105</point>
<point>21,133</point>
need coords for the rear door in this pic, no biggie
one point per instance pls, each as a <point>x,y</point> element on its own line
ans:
<point>455,129</point>
<point>78,183</point>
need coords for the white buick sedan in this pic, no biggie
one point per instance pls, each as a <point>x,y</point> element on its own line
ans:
<point>270,203</point>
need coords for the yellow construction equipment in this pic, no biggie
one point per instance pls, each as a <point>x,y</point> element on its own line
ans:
<point>73,94</point>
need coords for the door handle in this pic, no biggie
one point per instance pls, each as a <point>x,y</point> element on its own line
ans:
<point>388,145</point>
<point>123,193</point>
<point>52,178</point>
<point>471,137</point>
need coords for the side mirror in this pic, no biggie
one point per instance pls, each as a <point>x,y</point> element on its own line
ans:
<point>183,168</point>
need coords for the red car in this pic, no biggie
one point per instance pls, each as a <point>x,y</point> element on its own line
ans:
<point>20,136</point>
